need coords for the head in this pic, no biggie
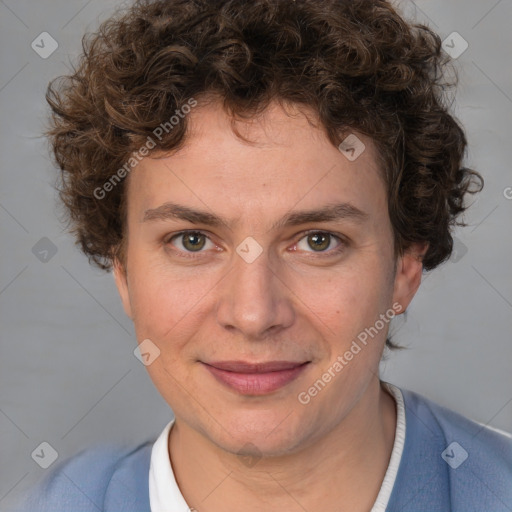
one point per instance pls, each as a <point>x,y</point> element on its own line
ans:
<point>268,181</point>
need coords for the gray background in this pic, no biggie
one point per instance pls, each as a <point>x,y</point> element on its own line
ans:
<point>68,375</point>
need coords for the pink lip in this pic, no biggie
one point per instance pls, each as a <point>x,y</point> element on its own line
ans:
<point>255,378</point>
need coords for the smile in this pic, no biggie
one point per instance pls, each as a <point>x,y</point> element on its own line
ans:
<point>255,378</point>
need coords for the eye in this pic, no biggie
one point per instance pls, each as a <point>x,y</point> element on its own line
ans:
<point>191,241</point>
<point>319,241</point>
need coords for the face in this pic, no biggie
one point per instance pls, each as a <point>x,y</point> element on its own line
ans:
<point>253,267</point>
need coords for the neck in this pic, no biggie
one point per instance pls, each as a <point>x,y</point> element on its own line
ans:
<point>350,462</point>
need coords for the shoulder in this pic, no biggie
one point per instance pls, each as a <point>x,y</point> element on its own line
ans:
<point>485,444</point>
<point>106,477</point>
<point>469,463</point>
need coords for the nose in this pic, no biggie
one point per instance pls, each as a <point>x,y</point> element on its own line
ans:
<point>254,300</point>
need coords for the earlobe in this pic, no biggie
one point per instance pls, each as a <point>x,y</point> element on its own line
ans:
<point>408,275</point>
<point>121,280</point>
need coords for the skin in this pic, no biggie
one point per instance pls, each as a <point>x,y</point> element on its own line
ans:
<point>291,303</point>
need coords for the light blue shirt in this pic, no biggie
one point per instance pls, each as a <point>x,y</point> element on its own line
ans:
<point>449,463</point>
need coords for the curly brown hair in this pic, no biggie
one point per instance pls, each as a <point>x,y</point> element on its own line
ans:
<point>356,63</point>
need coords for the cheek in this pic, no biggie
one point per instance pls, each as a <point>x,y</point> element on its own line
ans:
<point>168,311</point>
<point>166,306</point>
<point>346,301</point>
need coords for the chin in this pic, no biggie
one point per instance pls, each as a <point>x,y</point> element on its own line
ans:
<point>264,433</point>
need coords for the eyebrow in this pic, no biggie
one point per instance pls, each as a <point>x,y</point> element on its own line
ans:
<point>340,211</point>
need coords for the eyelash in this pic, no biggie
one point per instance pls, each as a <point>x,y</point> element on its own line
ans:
<point>320,254</point>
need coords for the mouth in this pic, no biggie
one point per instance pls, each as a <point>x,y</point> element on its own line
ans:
<point>255,378</point>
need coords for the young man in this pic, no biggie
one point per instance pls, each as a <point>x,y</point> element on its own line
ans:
<point>268,181</point>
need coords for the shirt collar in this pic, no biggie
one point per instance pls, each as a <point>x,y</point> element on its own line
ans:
<point>165,495</point>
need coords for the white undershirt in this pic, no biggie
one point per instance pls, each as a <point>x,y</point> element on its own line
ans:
<point>165,495</point>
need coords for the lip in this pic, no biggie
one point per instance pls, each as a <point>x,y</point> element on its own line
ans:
<point>255,378</point>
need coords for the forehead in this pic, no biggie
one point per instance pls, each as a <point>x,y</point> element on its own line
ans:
<point>261,165</point>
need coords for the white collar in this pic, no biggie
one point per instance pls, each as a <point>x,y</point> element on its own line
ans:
<point>165,495</point>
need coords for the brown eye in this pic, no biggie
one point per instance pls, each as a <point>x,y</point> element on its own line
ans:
<point>189,241</point>
<point>193,241</point>
<point>319,241</point>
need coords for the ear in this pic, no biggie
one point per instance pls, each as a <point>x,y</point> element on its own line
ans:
<point>122,286</point>
<point>408,274</point>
